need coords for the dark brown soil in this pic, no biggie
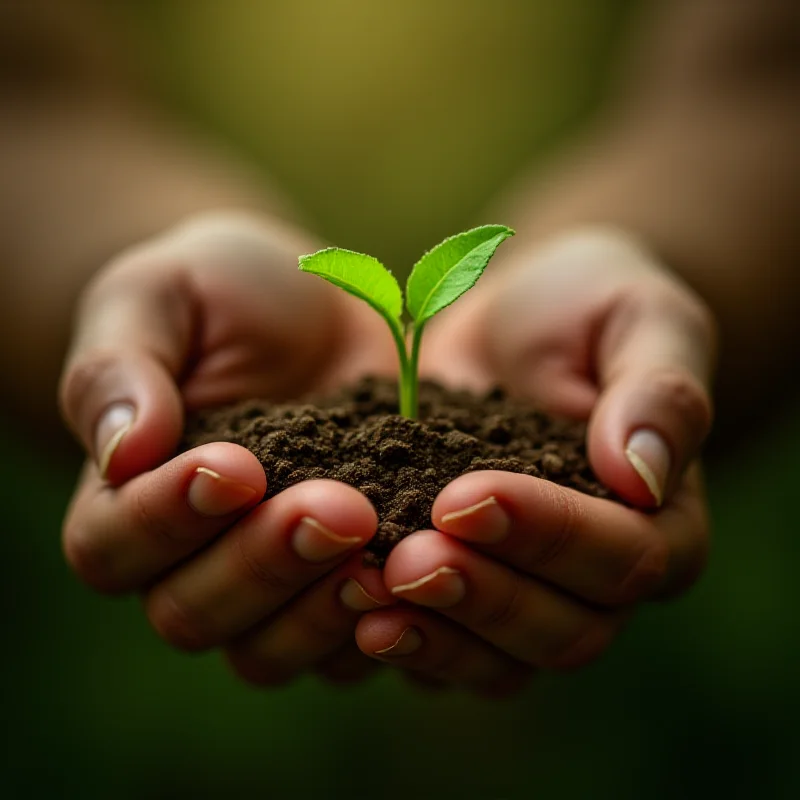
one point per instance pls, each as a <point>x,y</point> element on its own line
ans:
<point>356,437</point>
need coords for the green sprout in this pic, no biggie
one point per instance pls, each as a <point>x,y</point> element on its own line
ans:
<point>438,279</point>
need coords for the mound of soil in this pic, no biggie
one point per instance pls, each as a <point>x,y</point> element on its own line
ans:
<point>356,436</point>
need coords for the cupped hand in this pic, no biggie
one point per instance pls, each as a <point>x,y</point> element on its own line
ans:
<point>214,311</point>
<point>519,573</point>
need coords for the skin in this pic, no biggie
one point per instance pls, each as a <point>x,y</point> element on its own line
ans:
<point>549,575</point>
<point>190,319</point>
<point>544,575</point>
<point>174,303</point>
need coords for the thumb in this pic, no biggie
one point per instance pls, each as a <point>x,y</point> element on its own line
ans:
<point>118,390</point>
<point>655,359</point>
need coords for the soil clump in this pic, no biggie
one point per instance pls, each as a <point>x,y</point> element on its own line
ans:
<point>357,437</point>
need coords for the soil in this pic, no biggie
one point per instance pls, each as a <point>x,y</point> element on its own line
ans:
<point>356,436</point>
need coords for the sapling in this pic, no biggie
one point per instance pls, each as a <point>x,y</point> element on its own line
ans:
<point>438,279</point>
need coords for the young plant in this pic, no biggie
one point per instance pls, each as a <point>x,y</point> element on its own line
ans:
<point>438,279</point>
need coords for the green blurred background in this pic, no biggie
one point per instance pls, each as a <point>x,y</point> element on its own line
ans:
<point>391,124</point>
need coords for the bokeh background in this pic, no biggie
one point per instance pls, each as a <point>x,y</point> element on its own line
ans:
<point>390,125</point>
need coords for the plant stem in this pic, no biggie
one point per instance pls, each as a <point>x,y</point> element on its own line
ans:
<point>406,405</point>
<point>409,392</point>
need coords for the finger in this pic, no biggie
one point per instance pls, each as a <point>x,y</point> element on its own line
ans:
<point>277,550</point>
<point>595,549</point>
<point>312,628</point>
<point>119,539</point>
<point>435,649</point>
<point>524,618</point>
<point>684,525</point>
<point>348,666</point>
<point>654,411</point>
<point>118,390</point>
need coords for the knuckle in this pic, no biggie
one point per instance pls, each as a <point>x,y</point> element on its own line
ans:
<point>644,578</point>
<point>87,560</point>
<point>173,622</point>
<point>505,610</point>
<point>260,572</point>
<point>77,551</point>
<point>684,577</point>
<point>448,664</point>
<point>78,382</point>
<point>297,637</point>
<point>569,519</point>
<point>683,392</point>
<point>324,628</point>
<point>583,648</point>
<point>151,523</point>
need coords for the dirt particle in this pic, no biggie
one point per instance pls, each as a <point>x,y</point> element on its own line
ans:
<point>356,436</point>
<point>552,464</point>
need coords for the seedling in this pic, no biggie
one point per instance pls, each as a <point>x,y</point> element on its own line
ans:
<point>438,279</point>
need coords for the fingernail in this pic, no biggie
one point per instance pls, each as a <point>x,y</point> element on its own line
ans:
<point>357,598</point>
<point>408,642</point>
<point>211,495</point>
<point>490,522</point>
<point>312,541</point>
<point>649,455</point>
<point>442,588</point>
<point>114,424</point>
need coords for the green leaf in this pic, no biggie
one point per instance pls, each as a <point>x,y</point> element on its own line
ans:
<point>361,275</point>
<point>444,273</point>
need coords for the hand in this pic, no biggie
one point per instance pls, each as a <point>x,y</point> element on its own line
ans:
<point>524,574</point>
<point>214,311</point>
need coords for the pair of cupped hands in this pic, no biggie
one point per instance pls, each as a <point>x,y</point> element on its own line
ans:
<point>515,574</point>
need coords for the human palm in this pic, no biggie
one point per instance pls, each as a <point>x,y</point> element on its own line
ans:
<point>514,574</point>
<point>517,573</point>
<point>216,311</point>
